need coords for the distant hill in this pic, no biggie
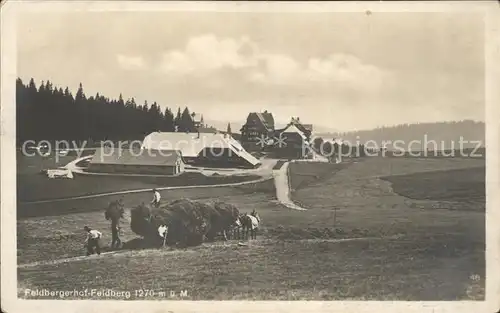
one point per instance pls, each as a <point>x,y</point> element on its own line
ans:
<point>417,136</point>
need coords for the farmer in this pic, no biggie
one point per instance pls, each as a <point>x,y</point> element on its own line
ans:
<point>163,232</point>
<point>156,198</point>
<point>254,214</point>
<point>115,234</point>
<point>93,241</point>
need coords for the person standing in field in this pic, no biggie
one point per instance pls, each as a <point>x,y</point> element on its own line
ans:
<point>115,212</point>
<point>156,198</point>
<point>256,215</point>
<point>163,232</point>
<point>93,241</point>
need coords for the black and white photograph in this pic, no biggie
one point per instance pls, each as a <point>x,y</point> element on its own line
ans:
<point>250,152</point>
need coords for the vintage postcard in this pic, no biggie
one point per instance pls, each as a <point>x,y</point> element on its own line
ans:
<point>250,156</point>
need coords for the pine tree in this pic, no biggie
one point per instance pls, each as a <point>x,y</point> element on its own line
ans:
<point>42,87</point>
<point>120,100</point>
<point>80,95</point>
<point>187,124</point>
<point>177,120</point>
<point>168,120</point>
<point>32,84</point>
<point>67,93</point>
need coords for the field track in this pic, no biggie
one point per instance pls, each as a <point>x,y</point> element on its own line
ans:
<point>282,183</point>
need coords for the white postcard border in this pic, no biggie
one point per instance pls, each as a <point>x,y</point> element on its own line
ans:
<point>10,303</point>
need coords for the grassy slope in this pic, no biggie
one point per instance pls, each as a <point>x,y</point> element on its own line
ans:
<point>39,187</point>
<point>304,173</point>
<point>60,235</point>
<point>452,185</point>
<point>435,254</point>
<point>366,202</point>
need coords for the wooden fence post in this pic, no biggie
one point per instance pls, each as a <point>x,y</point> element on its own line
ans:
<point>334,217</point>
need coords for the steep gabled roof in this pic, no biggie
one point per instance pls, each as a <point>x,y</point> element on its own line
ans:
<point>192,144</point>
<point>308,127</point>
<point>266,119</point>
<point>291,128</point>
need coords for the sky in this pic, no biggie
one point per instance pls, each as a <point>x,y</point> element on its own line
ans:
<point>340,71</point>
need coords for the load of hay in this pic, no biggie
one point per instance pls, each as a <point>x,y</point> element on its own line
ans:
<point>189,222</point>
<point>226,217</point>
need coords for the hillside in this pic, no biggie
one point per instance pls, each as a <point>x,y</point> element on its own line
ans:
<point>446,135</point>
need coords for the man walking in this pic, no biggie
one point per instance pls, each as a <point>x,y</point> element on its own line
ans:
<point>93,241</point>
<point>156,198</point>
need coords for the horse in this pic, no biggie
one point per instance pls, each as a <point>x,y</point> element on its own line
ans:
<point>250,224</point>
<point>235,229</point>
<point>227,220</point>
<point>114,212</point>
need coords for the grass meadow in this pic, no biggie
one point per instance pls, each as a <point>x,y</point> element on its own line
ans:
<point>381,229</point>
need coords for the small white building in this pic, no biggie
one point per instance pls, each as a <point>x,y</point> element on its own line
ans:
<point>138,161</point>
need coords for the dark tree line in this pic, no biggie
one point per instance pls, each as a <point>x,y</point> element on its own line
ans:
<point>48,112</point>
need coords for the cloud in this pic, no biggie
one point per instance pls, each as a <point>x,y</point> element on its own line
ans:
<point>347,71</point>
<point>210,55</point>
<point>276,68</point>
<point>130,63</point>
<point>335,71</point>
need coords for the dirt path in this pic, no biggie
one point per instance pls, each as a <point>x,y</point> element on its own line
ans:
<point>72,166</point>
<point>282,185</point>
